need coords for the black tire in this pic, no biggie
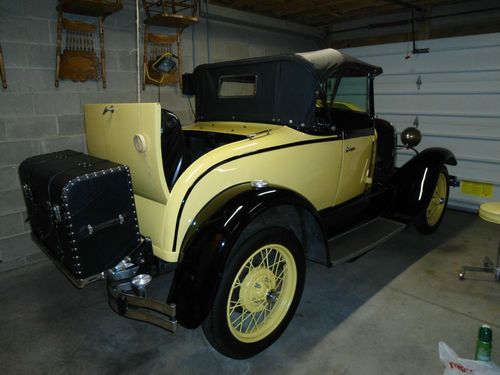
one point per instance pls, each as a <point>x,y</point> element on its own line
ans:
<point>430,219</point>
<point>250,288</point>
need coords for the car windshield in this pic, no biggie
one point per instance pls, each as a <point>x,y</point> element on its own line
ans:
<point>351,93</point>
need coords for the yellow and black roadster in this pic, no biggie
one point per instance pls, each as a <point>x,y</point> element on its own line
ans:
<point>286,162</point>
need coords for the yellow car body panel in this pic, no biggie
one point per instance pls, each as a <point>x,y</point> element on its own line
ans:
<point>356,167</point>
<point>262,157</point>
<point>269,152</point>
<point>110,130</point>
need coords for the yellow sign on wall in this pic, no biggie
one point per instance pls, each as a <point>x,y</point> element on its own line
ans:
<point>479,189</point>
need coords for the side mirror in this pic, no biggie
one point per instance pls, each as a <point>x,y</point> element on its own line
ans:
<point>411,137</point>
<point>188,84</point>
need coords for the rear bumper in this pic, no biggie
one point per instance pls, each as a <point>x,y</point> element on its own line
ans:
<point>122,301</point>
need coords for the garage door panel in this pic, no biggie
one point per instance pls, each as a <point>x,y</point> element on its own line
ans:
<point>438,87</point>
<point>442,61</point>
<point>471,76</point>
<point>458,104</point>
<point>467,104</point>
<point>470,42</point>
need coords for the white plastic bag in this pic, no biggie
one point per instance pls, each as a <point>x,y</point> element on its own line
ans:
<point>454,365</point>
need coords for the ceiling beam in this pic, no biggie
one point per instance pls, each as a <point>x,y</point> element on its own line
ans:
<point>406,5</point>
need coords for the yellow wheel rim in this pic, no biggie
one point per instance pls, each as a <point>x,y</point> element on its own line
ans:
<point>261,293</point>
<point>436,205</point>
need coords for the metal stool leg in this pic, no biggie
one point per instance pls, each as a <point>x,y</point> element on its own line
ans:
<point>487,267</point>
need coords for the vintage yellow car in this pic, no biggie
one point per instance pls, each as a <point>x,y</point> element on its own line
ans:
<point>286,162</point>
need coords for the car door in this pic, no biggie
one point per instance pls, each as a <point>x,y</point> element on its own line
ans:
<point>351,115</point>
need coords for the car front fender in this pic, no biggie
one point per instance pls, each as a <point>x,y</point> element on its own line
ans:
<point>415,181</point>
<point>211,238</point>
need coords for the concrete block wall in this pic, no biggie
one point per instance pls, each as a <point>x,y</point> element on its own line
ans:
<point>36,117</point>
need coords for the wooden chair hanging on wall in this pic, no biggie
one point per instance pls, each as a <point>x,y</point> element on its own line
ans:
<point>2,70</point>
<point>156,45</point>
<point>79,60</point>
<point>174,14</point>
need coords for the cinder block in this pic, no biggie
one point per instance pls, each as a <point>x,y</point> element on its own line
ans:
<point>76,143</point>
<point>23,55</point>
<point>72,87</point>
<point>11,201</point>
<point>15,29</point>
<point>26,224</point>
<point>57,103</point>
<point>13,152</point>
<point>109,97</point>
<point>112,57</point>
<point>24,261</point>
<point>8,178</point>
<point>16,247</point>
<point>30,127</point>
<point>39,9</point>
<point>41,56</point>
<point>2,129</point>
<point>71,124</point>
<point>122,81</point>
<point>128,61</point>
<point>14,55</point>
<point>12,264</point>
<point>31,80</point>
<point>124,19</point>
<point>11,8</point>
<point>187,63</point>
<point>16,104</point>
<point>119,39</point>
<point>11,224</point>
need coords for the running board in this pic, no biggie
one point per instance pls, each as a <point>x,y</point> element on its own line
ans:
<point>362,239</point>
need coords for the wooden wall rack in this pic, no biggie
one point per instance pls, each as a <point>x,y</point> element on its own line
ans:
<point>79,60</point>
<point>173,14</point>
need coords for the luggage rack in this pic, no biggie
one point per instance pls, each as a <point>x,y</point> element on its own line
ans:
<point>123,298</point>
<point>79,283</point>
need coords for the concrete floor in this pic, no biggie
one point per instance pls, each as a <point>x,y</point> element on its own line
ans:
<point>381,314</point>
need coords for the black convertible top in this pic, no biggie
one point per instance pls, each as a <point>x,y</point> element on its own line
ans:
<point>286,86</point>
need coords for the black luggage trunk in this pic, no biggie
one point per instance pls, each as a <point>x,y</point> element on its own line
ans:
<point>81,211</point>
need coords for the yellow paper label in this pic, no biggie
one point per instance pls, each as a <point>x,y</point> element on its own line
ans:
<point>479,189</point>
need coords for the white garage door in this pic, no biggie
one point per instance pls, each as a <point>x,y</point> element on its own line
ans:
<point>457,105</point>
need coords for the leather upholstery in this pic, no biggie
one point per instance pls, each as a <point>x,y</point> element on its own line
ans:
<point>172,147</point>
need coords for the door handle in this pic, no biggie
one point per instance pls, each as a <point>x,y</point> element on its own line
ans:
<point>349,148</point>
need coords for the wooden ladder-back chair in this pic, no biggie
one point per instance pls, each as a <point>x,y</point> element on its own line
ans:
<point>174,14</point>
<point>79,60</point>
<point>156,45</point>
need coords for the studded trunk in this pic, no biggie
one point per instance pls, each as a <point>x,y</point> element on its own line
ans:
<point>81,210</point>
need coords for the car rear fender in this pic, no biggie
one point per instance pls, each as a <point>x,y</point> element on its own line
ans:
<point>214,233</point>
<point>415,182</point>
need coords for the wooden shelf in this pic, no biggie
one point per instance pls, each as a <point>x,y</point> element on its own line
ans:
<point>93,8</point>
<point>171,20</point>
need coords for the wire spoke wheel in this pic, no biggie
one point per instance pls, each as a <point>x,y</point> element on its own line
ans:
<point>436,205</point>
<point>431,218</point>
<point>258,294</point>
<point>261,293</point>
